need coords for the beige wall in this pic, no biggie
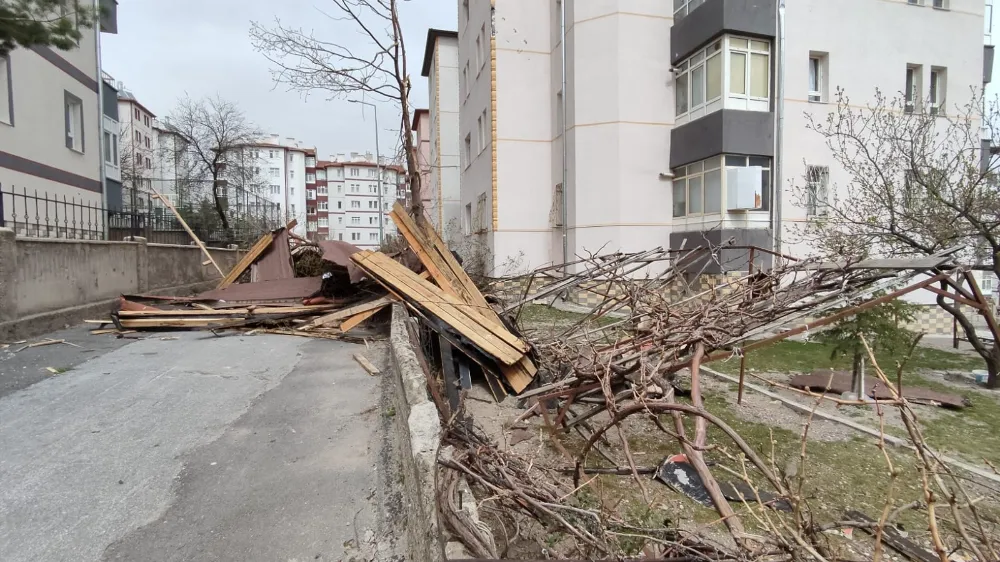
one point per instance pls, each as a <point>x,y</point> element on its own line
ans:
<point>39,134</point>
<point>445,146</point>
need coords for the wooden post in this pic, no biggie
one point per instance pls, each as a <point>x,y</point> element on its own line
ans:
<point>954,332</point>
<point>743,366</point>
<point>204,250</point>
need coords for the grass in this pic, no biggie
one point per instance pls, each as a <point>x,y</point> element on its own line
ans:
<point>805,357</point>
<point>542,316</point>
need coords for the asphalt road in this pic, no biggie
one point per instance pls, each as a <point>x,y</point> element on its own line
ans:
<point>195,448</point>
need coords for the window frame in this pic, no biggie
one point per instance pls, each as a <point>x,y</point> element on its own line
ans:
<point>7,75</point>
<point>701,169</point>
<point>74,123</point>
<point>937,90</point>
<point>817,190</point>
<point>685,81</point>
<point>685,6</point>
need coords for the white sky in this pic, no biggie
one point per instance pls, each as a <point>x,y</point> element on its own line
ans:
<point>165,49</point>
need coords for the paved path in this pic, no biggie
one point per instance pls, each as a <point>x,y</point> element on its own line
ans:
<point>200,448</point>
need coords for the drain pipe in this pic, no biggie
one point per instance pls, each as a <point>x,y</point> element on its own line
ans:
<point>565,149</point>
<point>777,192</point>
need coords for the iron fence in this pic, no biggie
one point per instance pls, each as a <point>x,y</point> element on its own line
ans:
<point>35,214</point>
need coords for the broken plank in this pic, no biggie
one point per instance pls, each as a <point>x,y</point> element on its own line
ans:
<point>244,311</point>
<point>353,321</point>
<point>348,312</point>
<point>436,302</point>
<point>190,232</point>
<point>259,247</point>
<point>366,364</point>
<point>894,539</point>
<point>451,384</point>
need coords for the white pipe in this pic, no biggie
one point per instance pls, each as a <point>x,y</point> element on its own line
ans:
<point>565,149</point>
<point>100,114</point>
<point>777,191</point>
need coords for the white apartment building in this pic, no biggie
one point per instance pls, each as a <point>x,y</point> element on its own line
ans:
<point>354,205</point>
<point>653,123</point>
<point>443,202</point>
<point>287,169</point>
<point>137,143</point>
<point>51,120</point>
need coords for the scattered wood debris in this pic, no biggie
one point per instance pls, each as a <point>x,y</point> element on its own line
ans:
<point>366,364</point>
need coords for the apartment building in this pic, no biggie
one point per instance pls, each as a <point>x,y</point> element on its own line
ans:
<point>286,169</point>
<point>595,126</point>
<point>354,204</point>
<point>421,127</point>
<point>444,186</point>
<point>51,118</point>
<point>137,144</point>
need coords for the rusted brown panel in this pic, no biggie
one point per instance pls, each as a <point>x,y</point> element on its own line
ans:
<point>841,383</point>
<point>277,260</point>
<point>339,252</point>
<point>262,291</point>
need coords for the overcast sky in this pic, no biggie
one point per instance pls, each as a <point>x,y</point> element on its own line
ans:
<point>165,49</point>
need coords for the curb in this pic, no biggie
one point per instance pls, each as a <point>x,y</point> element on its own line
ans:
<point>417,423</point>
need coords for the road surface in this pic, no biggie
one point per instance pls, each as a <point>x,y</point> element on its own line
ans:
<point>187,446</point>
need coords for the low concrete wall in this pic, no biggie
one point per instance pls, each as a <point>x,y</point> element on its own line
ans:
<point>46,284</point>
<point>418,424</point>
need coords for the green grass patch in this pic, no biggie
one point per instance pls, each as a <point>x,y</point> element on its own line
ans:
<point>805,357</point>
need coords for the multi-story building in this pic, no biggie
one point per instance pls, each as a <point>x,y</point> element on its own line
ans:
<point>354,204</point>
<point>111,129</point>
<point>444,186</point>
<point>51,118</point>
<point>137,144</point>
<point>422,147</point>
<point>287,170</point>
<point>589,126</point>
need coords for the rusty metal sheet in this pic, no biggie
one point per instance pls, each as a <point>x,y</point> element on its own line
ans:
<point>817,381</point>
<point>296,288</point>
<point>339,253</point>
<point>276,263</point>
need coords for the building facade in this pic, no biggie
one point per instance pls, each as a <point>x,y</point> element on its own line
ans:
<point>422,146</point>
<point>137,144</point>
<point>441,69</point>
<point>51,119</point>
<point>353,205</point>
<point>588,126</point>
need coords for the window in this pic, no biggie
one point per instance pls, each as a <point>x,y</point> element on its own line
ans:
<point>291,191</point>
<point>340,220</point>
<point>271,154</point>
<point>340,172</point>
<point>291,173</point>
<point>480,49</point>
<point>274,172</point>
<point>324,222</point>
<point>145,119</point>
<point>372,173</point>
<point>6,92</point>
<point>310,178</point>
<point>941,4</point>
<point>321,174</point>
<point>817,190</point>
<point>107,147</point>
<point>149,165</point>
<point>468,150</point>
<point>340,204</point>
<point>355,220</point>
<point>355,204</point>
<point>817,77</point>
<point>310,210</point>
<point>355,236</point>
<point>340,236</point>
<point>685,7</point>
<point>312,226</point>
<point>114,149</point>
<point>291,157</point>
<point>937,90</point>
<point>355,172</point>
<point>74,121</point>
<point>912,92</point>
<point>138,136</point>
<point>371,220</point>
<point>138,115</point>
<point>373,236</point>
<point>292,207</point>
<point>989,282</point>
<point>733,72</point>
<point>465,79</point>
<point>275,189</point>
<point>373,204</point>
<point>310,194</point>
<point>697,188</point>
<point>310,162</point>
<point>355,188</point>
<point>322,190</point>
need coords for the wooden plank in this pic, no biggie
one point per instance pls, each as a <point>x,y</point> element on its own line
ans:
<point>190,232</point>
<point>244,311</point>
<point>348,312</point>
<point>259,247</point>
<point>432,299</point>
<point>894,539</point>
<point>408,278</point>
<point>366,364</point>
<point>353,321</point>
<point>452,278</point>
<point>448,369</point>
<point>506,348</point>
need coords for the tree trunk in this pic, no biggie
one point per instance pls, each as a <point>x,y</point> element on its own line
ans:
<point>856,373</point>
<point>218,206</point>
<point>993,366</point>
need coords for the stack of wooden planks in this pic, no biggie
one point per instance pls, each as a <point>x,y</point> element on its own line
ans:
<point>450,301</point>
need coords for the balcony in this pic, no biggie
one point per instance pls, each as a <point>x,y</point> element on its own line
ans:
<point>711,18</point>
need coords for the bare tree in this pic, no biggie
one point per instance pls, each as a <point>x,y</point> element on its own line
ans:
<point>921,180</point>
<point>307,63</point>
<point>216,134</point>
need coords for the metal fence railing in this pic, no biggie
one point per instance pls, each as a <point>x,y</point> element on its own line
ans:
<point>35,214</point>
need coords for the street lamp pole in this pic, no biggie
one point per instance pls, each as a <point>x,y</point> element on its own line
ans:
<point>378,171</point>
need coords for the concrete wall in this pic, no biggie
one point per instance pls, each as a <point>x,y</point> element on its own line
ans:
<point>47,284</point>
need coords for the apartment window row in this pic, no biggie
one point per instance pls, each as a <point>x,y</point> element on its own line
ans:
<point>731,182</point>
<point>733,73</point>
<point>940,4</point>
<point>913,89</point>
<point>684,7</point>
